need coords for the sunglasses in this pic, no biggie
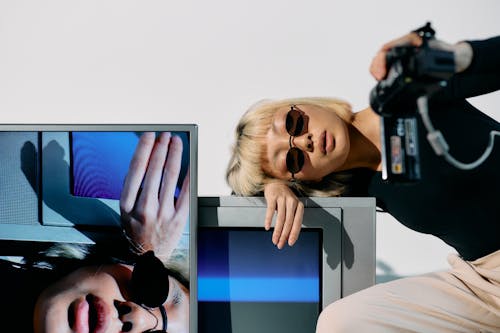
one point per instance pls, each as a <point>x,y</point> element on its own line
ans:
<point>295,126</point>
<point>149,284</point>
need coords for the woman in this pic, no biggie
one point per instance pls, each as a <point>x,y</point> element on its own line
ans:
<point>70,288</point>
<point>318,147</point>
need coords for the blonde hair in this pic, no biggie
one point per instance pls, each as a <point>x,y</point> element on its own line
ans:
<point>245,174</point>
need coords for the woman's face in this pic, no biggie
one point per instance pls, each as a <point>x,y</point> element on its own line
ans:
<point>325,144</point>
<point>97,300</point>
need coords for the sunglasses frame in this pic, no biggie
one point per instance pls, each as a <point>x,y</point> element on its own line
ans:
<point>294,153</point>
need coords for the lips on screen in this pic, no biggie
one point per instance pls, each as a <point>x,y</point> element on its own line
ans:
<point>245,282</point>
<point>100,162</point>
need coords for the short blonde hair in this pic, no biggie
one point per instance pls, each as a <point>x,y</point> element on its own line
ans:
<point>245,174</point>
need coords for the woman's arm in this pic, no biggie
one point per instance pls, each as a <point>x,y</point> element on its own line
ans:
<point>149,217</point>
<point>477,65</point>
<point>463,53</point>
<point>481,76</point>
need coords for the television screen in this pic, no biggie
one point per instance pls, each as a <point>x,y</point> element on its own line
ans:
<point>79,196</point>
<point>243,278</point>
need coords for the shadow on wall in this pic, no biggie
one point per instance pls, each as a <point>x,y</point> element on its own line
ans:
<point>79,211</point>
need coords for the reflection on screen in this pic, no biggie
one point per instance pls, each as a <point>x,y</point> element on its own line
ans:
<point>100,162</point>
<point>244,282</point>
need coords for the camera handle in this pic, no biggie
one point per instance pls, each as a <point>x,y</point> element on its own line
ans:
<point>439,145</point>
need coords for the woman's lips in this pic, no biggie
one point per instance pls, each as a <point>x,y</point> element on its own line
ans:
<point>326,142</point>
<point>329,143</point>
<point>322,142</point>
<point>81,308</point>
<point>98,315</point>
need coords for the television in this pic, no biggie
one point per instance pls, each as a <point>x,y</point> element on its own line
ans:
<point>62,184</point>
<point>246,283</point>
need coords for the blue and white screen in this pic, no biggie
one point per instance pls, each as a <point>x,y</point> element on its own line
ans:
<point>100,162</point>
<point>245,282</point>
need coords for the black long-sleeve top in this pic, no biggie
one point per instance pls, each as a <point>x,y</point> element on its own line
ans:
<point>460,207</point>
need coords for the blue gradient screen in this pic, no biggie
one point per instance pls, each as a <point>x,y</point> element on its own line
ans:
<point>100,162</point>
<point>243,279</point>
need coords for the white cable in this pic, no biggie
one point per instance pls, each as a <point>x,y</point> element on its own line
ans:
<point>439,144</point>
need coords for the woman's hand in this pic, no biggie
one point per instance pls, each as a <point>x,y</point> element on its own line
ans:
<point>462,53</point>
<point>290,211</point>
<point>149,217</point>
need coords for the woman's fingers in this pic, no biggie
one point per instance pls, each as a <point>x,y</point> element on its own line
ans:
<point>171,173</point>
<point>280,219</point>
<point>297,224</point>
<point>378,65</point>
<point>411,39</point>
<point>291,207</point>
<point>182,205</point>
<point>137,169</point>
<point>173,221</point>
<point>271,208</point>
<point>148,199</point>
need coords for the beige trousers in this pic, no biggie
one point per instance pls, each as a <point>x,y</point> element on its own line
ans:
<point>465,298</point>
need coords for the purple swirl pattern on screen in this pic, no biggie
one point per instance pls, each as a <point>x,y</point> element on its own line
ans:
<point>100,162</point>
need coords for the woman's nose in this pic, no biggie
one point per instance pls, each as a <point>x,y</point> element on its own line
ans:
<point>137,319</point>
<point>303,142</point>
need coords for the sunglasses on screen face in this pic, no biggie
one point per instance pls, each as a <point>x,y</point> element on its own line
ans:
<point>150,284</point>
<point>295,126</point>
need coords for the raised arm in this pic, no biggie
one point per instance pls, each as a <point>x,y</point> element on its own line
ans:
<point>477,65</point>
<point>463,53</point>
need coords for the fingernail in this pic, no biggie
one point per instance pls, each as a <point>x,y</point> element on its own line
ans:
<point>127,326</point>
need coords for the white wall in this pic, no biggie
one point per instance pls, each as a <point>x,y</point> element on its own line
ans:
<point>205,62</point>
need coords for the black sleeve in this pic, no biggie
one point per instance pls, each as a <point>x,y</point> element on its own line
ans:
<point>481,77</point>
<point>486,56</point>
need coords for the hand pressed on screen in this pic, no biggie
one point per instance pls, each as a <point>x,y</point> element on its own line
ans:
<point>289,213</point>
<point>149,217</point>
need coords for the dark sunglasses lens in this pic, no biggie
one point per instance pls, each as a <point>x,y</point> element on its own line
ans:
<point>149,282</point>
<point>294,122</point>
<point>294,160</point>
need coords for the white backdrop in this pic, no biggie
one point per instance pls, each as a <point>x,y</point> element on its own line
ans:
<point>205,62</point>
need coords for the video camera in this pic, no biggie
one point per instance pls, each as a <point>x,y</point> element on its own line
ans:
<point>412,72</point>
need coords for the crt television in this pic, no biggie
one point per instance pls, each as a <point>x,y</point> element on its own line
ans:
<point>62,184</point>
<point>246,284</point>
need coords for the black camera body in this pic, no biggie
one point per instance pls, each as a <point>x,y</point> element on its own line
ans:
<point>412,72</point>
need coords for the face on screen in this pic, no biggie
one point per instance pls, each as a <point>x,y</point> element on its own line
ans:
<point>98,300</point>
